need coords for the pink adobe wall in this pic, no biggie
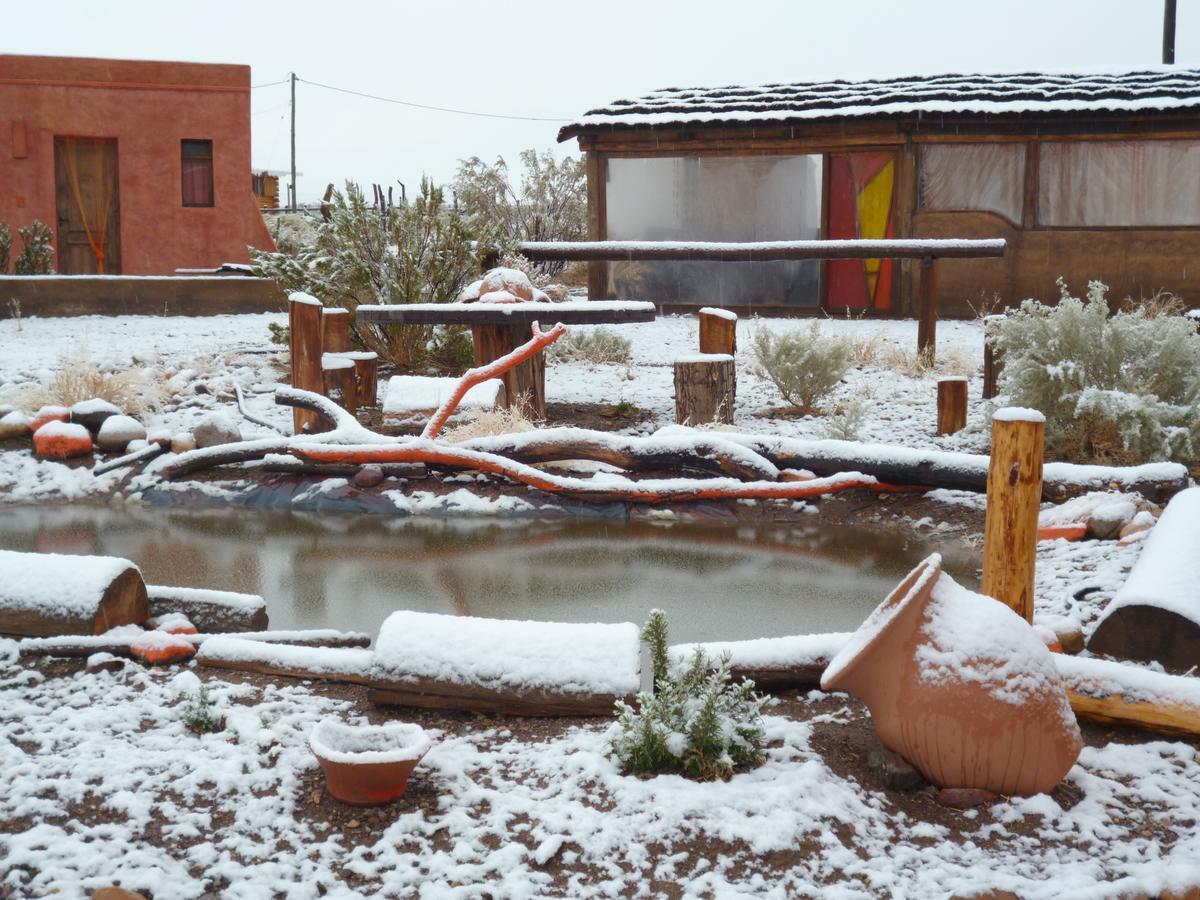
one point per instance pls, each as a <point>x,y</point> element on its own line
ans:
<point>148,107</point>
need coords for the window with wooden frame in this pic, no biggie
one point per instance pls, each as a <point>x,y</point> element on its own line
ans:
<point>197,171</point>
<point>987,177</point>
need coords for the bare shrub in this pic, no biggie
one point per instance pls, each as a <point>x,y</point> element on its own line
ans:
<point>864,351</point>
<point>920,364</point>
<point>134,391</point>
<point>803,365</point>
<point>1160,303</point>
<point>487,423</point>
<point>599,345</point>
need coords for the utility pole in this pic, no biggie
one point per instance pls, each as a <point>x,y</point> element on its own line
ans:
<point>294,137</point>
<point>1168,32</point>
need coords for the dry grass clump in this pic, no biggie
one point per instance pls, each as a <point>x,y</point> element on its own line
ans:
<point>1160,303</point>
<point>599,345</point>
<point>487,423</point>
<point>134,391</point>
<point>864,351</point>
<point>949,361</point>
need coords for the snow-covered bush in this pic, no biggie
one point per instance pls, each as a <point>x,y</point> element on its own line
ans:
<point>37,250</point>
<point>599,345</point>
<point>803,365</point>
<point>420,252</point>
<point>200,714</point>
<point>1122,388</point>
<point>696,723</point>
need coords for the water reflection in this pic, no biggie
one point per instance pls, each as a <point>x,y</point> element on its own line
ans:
<point>715,581</point>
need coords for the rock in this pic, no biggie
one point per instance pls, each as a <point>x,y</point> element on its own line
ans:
<point>964,798</point>
<point>117,431</point>
<point>105,662</point>
<point>216,430</point>
<point>182,442</point>
<point>159,647</point>
<point>61,440</point>
<point>511,281</point>
<point>92,413</point>
<point>1143,521</point>
<point>171,623</point>
<point>1106,522</point>
<point>1070,639</point>
<point>1188,893</point>
<point>894,770</point>
<point>134,446</point>
<point>160,436</point>
<point>14,425</point>
<point>116,893</point>
<point>368,477</point>
<point>49,414</point>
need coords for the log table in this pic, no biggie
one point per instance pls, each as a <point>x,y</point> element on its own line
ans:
<point>497,328</point>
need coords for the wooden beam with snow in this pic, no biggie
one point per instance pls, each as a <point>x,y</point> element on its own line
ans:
<point>760,251</point>
<point>45,594</point>
<point>346,664</point>
<point>118,644</point>
<point>210,611</point>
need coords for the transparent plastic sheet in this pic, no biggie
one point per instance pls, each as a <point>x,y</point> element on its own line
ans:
<point>1098,183</point>
<point>716,199</point>
<point>988,177</point>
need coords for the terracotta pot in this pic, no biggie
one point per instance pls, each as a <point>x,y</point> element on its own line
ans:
<point>960,686</point>
<point>367,765</point>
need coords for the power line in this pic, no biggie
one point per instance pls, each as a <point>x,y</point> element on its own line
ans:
<point>461,112</point>
<point>255,87</point>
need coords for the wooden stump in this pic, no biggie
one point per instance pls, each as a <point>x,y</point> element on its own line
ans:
<point>718,331</point>
<point>951,405</point>
<point>306,327</point>
<point>46,594</point>
<point>366,374</point>
<point>525,383</point>
<point>1014,492</point>
<point>337,329</point>
<point>705,388</point>
<point>339,381</point>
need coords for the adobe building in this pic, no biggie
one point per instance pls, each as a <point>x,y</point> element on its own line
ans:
<point>139,168</point>
<point>1087,176</point>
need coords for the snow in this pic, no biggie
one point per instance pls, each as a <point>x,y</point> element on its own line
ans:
<point>61,586</point>
<point>302,297</point>
<point>125,635</point>
<point>1083,507</point>
<point>93,406</point>
<point>320,660</point>
<point>119,430</point>
<point>161,594</point>
<point>1167,574</point>
<point>704,358</point>
<point>500,654</point>
<point>720,313</point>
<point>1101,678</point>
<point>769,653</point>
<point>56,429</point>
<point>331,361</point>
<point>1017,414</point>
<point>359,744</point>
<point>410,394</point>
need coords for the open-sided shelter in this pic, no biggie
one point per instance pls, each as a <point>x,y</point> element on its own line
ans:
<point>138,167</point>
<point>1086,175</point>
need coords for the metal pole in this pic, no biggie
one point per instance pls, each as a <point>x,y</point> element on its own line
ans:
<point>1168,32</point>
<point>293,141</point>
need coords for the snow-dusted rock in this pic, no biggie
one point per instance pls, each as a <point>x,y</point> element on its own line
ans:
<point>61,440</point>
<point>368,477</point>
<point>1107,521</point>
<point>215,430</point>
<point>117,431</point>
<point>49,414</point>
<point>1143,521</point>
<point>182,442</point>
<point>92,413</point>
<point>14,425</point>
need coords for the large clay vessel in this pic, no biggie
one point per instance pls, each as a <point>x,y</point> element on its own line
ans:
<point>960,686</point>
<point>367,765</point>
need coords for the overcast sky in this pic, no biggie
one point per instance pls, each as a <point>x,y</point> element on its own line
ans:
<point>556,60</point>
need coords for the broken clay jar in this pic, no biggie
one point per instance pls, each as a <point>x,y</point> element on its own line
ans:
<point>960,686</point>
<point>367,765</point>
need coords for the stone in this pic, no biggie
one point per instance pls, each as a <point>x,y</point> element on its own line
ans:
<point>49,414</point>
<point>117,431</point>
<point>92,413</point>
<point>116,893</point>
<point>160,436</point>
<point>1106,522</point>
<point>1188,893</point>
<point>1070,639</point>
<point>511,281</point>
<point>368,477</point>
<point>964,798</point>
<point>182,442</point>
<point>1143,521</point>
<point>216,430</point>
<point>894,770</point>
<point>62,440</point>
<point>105,662</point>
<point>14,426</point>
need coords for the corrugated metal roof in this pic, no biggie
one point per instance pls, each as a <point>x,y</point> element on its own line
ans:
<point>1151,89</point>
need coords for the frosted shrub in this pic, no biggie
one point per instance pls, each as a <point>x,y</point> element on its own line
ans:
<point>803,365</point>
<point>200,714</point>
<point>37,250</point>
<point>696,723</point>
<point>600,345</point>
<point>1123,388</point>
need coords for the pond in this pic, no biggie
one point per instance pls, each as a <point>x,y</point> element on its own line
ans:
<point>715,581</point>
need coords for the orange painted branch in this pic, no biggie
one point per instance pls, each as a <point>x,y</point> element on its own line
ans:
<point>539,342</point>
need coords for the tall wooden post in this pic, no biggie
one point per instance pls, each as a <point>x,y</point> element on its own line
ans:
<point>293,197</point>
<point>951,404</point>
<point>927,310</point>
<point>1014,491</point>
<point>337,329</point>
<point>993,357</point>
<point>718,331</point>
<point>305,323</point>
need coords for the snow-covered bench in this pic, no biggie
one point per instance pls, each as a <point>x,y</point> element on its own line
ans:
<point>417,396</point>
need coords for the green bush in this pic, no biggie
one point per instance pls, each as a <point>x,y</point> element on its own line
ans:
<point>5,247</point>
<point>1122,388</point>
<point>803,365</point>
<point>37,250</point>
<point>599,345</point>
<point>199,715</point>
<point>696,723</point>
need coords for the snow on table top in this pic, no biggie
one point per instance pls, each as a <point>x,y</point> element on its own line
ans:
<point>322,660</point>
<point>231,599</point>
<point>61,585</point>
<point>407,394</point>
<point>503,654</point>
<point>1167,574</point>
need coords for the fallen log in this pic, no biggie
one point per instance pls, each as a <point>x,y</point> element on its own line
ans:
<point>221,455</point>
<point>210,611</point>
<point>426,693</point>
<point>148,452</point>
<point>238,654</point>
<point>773,664</point>
<point>45,594</point>
<point>118,644</point>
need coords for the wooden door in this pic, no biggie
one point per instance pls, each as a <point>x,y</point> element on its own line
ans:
<point>89,232</point>
<point>861,204</point>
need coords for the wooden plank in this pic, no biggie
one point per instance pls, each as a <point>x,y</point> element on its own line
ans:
<point>266,668</point>
<point>761,251</point>
<point>366,376</point>
<point>523,314</point>
<point>597,201</point>
<point>51,646</point>
<point>429,694</point>
<point>306,326</point>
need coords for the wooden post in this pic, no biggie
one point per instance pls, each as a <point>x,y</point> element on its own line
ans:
<point>927,310</point>
<point>951,404</point>
<point>1014,491</point>
<point>705,387</point>
<point>718,331</point>
<point>305,321</point>
<point>340,385</point>
<point>525,383</point>
<point>337,329</point>
<point>366,373</point>
<point>993,359</point>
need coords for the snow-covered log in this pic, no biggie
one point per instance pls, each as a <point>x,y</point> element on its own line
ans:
<point>52,594</point>
<point>118,641</point>
<point>1155,616</point>
<point>773,664</point>
<point>210,611</point>
<point>1117,694</point>
<point>316,663</point>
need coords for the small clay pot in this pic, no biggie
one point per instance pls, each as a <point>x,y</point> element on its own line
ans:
<point>367,765</point>
<point>960,686</point>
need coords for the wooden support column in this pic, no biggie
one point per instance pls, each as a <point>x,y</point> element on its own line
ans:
<point>718,331</point>
<point>927,310</point>
<point>366,374</point>
<point>1014,491</point>
<point>705,387</point>
<point>596,168</point>
<point>951,404</point>
<point>993,358</point>
<point>337,329</point>
<point>305,323</point>
<point>524,383</point>
<point>340,386</point>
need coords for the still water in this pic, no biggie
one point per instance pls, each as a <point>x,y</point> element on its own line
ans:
<point>715,581</point>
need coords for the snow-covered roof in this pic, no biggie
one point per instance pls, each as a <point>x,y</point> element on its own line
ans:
<point>1157,88</point>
